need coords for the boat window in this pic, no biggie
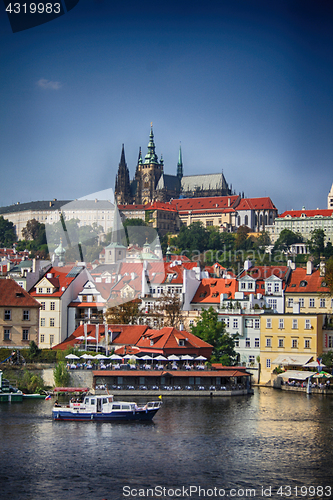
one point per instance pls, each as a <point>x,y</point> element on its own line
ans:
<point>92,401</point>
<point>125,407</point>
<point>115,407</point>
<point>105,400</point>
<point>86,401</point>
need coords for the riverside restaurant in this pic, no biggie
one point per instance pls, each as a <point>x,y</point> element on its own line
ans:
<point>225,379</point>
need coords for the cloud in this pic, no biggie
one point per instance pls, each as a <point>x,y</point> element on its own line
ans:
<point>47,84</point>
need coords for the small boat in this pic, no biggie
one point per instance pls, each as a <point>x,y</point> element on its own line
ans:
<point>104,409</point>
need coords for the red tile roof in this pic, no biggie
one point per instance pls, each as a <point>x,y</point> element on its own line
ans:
<point>264,272</point>
<point>13,295</point>
<point>167,338</point>
<point>306,283</point>
<point>256,204</point>
<point>210,289</point>
<point>307,213</point>
<point>213,202</point>
<point>59,280</point>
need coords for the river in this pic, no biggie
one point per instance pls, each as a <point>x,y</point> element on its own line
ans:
<point>240,447</point>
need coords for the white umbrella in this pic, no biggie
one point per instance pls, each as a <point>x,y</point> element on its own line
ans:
<point>130,356</point>
<point>146,357</point>
<point>173,357</point>
<point>200,358</point>
<point>187,356</point>
<point>71,356</point>
<point>115,356</point>
<point>161,358</point>
<point>101,356</point>
<point>91,338</point>
<point>86,356</point>
<point>314,364</point>
<point>82,337</point>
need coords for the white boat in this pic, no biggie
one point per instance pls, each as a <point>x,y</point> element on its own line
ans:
<point>104,409</point>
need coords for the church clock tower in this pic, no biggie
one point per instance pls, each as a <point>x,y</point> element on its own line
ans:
<point>147,173</point>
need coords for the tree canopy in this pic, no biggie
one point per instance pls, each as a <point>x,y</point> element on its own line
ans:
<point>211,330</point>
<point>7,232</point>
<point>286,239</point>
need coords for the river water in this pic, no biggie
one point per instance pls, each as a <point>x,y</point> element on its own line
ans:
<point>225,446</point>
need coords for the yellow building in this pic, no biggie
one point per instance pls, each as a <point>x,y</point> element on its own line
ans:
<point>289,340</point>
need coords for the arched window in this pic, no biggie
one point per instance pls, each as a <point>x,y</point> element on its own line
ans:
<point>246,220</point>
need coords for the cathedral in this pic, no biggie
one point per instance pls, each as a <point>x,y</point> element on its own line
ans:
<point>150,183</point>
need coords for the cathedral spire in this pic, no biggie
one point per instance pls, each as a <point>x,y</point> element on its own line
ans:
<point>140,157</point>
<point>122,185</point>
<point>151,156</point>
<point>180,163</point>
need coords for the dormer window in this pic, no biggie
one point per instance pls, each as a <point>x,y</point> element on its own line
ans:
<point>303,283</point>
<point>181,342</point>
<point>151,342</point>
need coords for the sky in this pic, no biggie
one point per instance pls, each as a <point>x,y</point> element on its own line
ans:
<point>246,87</point>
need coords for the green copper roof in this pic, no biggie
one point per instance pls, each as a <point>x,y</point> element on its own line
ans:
<point>180,163</point>
<point>151,156</point>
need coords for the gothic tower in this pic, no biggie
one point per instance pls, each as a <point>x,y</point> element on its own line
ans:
<point>122,186</point>
<point>147,173</point>
<point>180,164</point>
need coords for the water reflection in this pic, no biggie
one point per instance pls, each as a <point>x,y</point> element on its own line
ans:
<point>271,438</point>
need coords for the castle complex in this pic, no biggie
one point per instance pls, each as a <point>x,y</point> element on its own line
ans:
<point>150,183</point>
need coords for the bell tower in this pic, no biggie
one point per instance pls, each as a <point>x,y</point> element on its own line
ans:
<point>148,173</point>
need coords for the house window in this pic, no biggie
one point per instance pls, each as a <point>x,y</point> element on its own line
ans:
<point>281,323</point>
<point>307,324</point>
<point>311,302</point>
<point>235,323</point>
<point>269,288</point>
<point>268,323</point>
<point>272,303</point>
<point>51,339</point>
<point>42,337</point>
<point>268,342</point>
<point>247,342</point>
<point>301,302</point>
<point>52,306</point>
<point>26,315</point>
<point>257,323</point>
<point>84,298</point>
<point>52,321</point>
<point>295,324</point>
<point>256,343</point>
<point>251,359</point>
<point>8,314</point>
<point>40,290</point>
<point>250,286</point>
<point>48,290</point>
<point>182,342</point>
<point>191,322</point>
<point>242,285</point>
<point>236,342</point>
<point>280,342</point>
<point>249,323</point>
<point>42,321</point>
<point>307,344</point>
<point>322,303</point>
<point>6,334</point>
<point>290,302</point>
<point>330,341</point>
<point>25,334</point>
<point>276,287</point>
<point>227,322</point>
<point>268,363</point>
<point>294,343</point>
<point>42,306</point>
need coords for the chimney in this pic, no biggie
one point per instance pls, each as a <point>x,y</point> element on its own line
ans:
<point>309,267</point>
<point>229,202</point>
<point>322,268</point>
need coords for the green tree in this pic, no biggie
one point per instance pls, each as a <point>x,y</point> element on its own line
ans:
<point>286,239</point>
<point>7,233</point>
<point>327,358</point>
<point>123,314</point>
<point>31,383</point>
<point>34,230</point>
<point>317,244</point>
<point>61,375</point>
<point>211,330</point>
